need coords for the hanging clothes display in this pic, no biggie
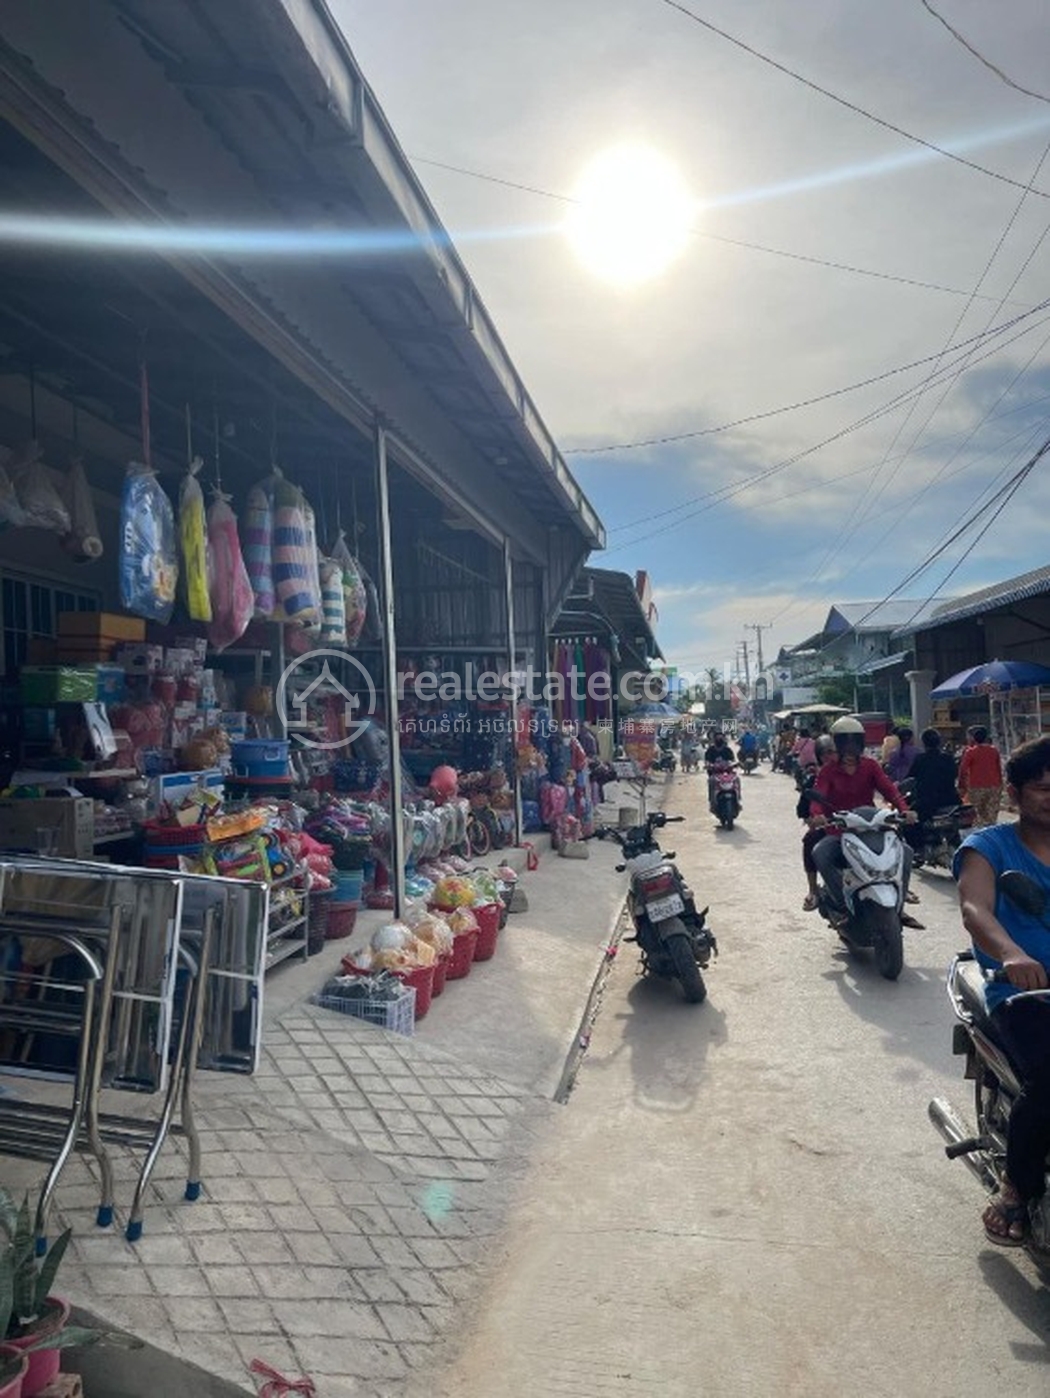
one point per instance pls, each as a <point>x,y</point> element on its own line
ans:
<point>580,696</point>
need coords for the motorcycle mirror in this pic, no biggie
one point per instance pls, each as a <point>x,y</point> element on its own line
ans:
<point>1024,893</point>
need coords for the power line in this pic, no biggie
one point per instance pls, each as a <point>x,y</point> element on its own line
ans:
<point>722,493</point>
<point>702,233</point>
<point>844,101</point>
<point>1028,92</point>
<point>802,402</point>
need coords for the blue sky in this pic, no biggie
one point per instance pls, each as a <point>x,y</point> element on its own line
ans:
<point>529,92</point>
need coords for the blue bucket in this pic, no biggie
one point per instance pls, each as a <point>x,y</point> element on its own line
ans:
<point>260,757</point>
<point>348,885</point>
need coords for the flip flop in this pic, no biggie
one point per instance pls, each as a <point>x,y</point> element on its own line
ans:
<point>1009,1214</point>
<point>908,921</point>
<point>809,903</point>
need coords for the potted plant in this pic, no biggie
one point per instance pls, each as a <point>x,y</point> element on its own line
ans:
<point>32,1322</point>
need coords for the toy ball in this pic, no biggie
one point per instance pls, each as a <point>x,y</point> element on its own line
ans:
<point>444,782</point>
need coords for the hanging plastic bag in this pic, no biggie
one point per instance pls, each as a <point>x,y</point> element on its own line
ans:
<point>83,540</point>
<point>354,596</point>
<point>149,568</point>
<point>313,564</point>
<point>373,625</point>
<point>291,568</point>
<point>232,599</point>
<point>40,501</point>
<point>11,511</point>
<point>258,547</point>
<point>333,605</point>
<point>193,545</point>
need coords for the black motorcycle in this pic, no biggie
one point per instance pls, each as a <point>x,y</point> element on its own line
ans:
<point>666,761</point>
<point>672,936</point>
<point>934,841</point>
<point>988,1067</point>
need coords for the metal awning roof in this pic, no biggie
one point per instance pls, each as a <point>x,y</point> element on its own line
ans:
<point>988,599</point>
<point>885,662</point>
<point>604,595</point>
<point>254,113</point>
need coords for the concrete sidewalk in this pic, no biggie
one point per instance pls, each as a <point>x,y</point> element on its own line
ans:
<point>352,1186</point>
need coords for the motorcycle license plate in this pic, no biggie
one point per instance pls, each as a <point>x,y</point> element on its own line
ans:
<point>661,908</point>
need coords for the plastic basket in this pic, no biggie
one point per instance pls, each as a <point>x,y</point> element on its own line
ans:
<point>317,927</point>
<point>341,919</point>
<point>165,837</point>
<point>421,979</point>
<point>398,1016</point>
<point>462,956</point>
<point>440,973</point>
<point>488,930</point>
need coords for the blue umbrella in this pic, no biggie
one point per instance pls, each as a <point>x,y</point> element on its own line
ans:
<point>992,677</point>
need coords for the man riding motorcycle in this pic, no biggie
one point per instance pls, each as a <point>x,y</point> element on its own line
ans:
<point>719,751</point>
<point>848,784</point>
<point>1018,943</point>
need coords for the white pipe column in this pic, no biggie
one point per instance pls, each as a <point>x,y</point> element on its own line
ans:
<point>386,573</point>
<point>512,652</point>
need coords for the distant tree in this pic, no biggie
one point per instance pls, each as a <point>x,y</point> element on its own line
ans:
<point>840,690</point>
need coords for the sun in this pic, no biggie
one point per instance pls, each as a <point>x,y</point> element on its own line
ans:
<point>633,215</point>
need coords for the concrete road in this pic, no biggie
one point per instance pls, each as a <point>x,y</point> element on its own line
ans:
<point>745,1197</point>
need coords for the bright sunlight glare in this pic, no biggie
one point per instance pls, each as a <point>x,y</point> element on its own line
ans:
<point>633,215</point>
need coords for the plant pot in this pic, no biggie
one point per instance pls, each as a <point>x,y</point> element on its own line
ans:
<point>43,1363</point>
<point>12,1388</point>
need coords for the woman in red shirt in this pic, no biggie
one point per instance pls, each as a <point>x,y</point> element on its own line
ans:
<point>981,777</point>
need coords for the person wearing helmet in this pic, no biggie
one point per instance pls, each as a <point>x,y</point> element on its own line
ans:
<point>848,783</point>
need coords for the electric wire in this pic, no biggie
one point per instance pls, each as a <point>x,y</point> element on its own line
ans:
<point>845,101</point>
<point>684,509</point>
<point>973,340</point>
<point>961,38</point>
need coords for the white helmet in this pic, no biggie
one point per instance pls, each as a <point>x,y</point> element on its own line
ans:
<point>848,733</point>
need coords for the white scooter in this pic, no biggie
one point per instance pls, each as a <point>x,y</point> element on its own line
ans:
<point>872,853</point>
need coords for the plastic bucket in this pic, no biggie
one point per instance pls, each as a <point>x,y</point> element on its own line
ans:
<point>348,885</point>
<point>260,757</point>
<point>421,978</point>
<point>462,956</point>
<point>341,919</point>
<point>488,930</point>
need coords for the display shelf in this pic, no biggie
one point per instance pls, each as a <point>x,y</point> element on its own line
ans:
<point>115,837</point>
<point>278,951</point>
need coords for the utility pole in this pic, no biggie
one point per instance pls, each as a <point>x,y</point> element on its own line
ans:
<point>747,669</point>
<point>758,628</point>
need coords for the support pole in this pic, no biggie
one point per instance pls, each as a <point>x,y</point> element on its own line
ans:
<point>512,657</point>
<point>386,578</point>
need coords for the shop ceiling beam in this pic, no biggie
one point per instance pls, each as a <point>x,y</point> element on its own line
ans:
<point>386,574</point>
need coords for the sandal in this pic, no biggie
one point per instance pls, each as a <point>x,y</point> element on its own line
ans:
<point>809,903</point>
<point>1009,1216</point>
<point>908,921</point>
<point>910,897</point>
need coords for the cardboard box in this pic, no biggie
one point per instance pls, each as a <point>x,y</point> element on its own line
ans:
<point>71,817</point>
<point>101,626</point>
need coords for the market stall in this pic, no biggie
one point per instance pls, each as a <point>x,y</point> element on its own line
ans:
<point>1014,694</point>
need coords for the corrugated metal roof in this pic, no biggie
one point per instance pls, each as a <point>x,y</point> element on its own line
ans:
<point>986,599</point>
<point>880,616</point>
<point>884,662</point>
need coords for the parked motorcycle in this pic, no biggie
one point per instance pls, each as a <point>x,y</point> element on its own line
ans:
<point>725,799</point>
<point>672,936</point>
<point>988,1066</point>
<point>872,884</point>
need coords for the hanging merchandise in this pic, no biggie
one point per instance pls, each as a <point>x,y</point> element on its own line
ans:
<point>40,501</point>
<point>149,568</point>
<point>313,568</point>
<point>232,599</point>
<point>193,545</point>
<point>11,511</point>
<point>333,604</point>
<point>354,594</point>
<point>83,540</point>
<point>258,546</point>
<point>291,564</point>
<point>373,627</point>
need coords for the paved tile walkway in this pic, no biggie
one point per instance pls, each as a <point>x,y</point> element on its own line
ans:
<point>350,1189</point>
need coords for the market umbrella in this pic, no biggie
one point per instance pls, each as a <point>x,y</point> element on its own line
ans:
<point>821,709</point>
<point>991,677</point>
<point>654,709</point>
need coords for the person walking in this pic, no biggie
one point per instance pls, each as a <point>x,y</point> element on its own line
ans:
<point>981,777</point>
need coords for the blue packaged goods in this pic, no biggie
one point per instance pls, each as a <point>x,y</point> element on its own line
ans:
<point>260,757</point>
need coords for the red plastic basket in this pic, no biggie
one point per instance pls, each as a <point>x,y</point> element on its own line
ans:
<point>422,978</point>
<point>463,945</point>
<point>341,919</point>
<point>164,836</point>
<point>488,930</point>
<point>441,972</point>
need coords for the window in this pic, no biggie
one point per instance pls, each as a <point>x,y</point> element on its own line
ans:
<point>30,608</point>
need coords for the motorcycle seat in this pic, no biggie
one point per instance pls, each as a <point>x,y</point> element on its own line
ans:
<point>969,981</point>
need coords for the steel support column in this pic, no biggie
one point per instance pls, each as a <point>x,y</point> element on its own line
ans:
<point>386,578</point>
<point>512,657</point>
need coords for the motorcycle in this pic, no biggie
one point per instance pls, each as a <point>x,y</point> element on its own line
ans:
<point>666,762</point>
<point>872,885</point>
<point>936,840</point>
<point>672,936</point>
<point>725,799</point>
<point>988,1066</point>
<point>748,762</point>
<point>690,759</point>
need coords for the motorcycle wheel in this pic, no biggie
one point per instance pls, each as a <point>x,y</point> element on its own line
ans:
<point>884,924</point>
<point>680,949</point>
